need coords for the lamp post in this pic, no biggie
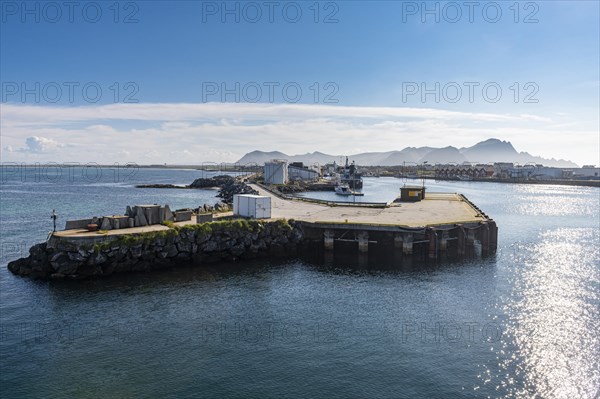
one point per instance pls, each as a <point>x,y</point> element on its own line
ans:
<point>54,216</point>
<point>423,173</point>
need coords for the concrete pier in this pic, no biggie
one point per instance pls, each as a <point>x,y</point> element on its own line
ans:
<point>437,227</point>
<point>440,225</point>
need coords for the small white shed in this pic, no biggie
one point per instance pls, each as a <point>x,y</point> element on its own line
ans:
<point>253,206</point>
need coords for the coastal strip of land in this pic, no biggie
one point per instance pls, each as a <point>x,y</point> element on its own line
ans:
<point>439,226</point>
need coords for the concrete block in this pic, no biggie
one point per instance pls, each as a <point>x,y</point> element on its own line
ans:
<point>140,218</point>
<point>152,214</point>
<point>168,214</point>
<point>77,224</point>
<point>181,216</point>
<point>119,222</point>
<point>204,218</point>
<point>106,225</point>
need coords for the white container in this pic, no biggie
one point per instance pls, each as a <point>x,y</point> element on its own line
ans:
<point>252,206</point>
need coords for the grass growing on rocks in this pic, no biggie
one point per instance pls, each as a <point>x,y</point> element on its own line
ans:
<point>201,230</point>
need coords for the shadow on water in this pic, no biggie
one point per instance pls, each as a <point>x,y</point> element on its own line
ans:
<point>344,261</point>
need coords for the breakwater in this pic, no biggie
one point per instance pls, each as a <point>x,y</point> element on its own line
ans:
<point>228,186</point>
<point>439,227</point>
<point>226,240</point>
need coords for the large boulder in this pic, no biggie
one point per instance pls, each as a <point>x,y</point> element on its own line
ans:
<point>228,191</point>
<point>62,263</point>
<point>216,181</point>
<point>21,266</point>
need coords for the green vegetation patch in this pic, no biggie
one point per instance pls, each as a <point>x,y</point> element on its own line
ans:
<point>201,230</point>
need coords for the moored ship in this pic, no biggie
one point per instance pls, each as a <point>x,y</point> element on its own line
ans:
<point>350,175</point>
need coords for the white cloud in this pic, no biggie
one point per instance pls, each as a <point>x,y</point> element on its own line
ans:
<point>222,132</point>
<point>176,115</point>
<point>36,145</point>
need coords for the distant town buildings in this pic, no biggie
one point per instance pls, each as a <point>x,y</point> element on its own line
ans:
<point>587,172</point>
<point>279,171</point>
<point>458,171</point>
<point>507,171</point>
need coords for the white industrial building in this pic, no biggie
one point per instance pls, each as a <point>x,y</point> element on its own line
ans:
<point>532,172</point>
<point>252,206</point>
<point>296,172</point>
<point>276,172</point>
<point>587,172</point>
<point>329,169</point>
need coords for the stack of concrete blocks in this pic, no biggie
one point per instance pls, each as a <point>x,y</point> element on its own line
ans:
<point>136,216</point>
<point>146,215</point>
<point>116,222</point>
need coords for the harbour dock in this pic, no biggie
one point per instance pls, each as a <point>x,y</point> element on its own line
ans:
<point>419,225</point>
<point>439,225</point>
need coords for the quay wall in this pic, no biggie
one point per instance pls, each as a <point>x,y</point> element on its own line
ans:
<point>78,257</point>
<point>440,242</point>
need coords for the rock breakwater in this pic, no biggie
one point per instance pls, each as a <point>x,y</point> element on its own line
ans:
<point>226,240</point>
<point>228,186</point>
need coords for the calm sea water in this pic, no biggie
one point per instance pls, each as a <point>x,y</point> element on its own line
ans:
<point>523,323</point>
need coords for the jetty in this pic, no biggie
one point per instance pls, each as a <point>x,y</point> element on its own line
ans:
<point>421,225</point>
<point>438,224</point>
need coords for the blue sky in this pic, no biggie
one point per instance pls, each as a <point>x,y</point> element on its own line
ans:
<point>373,55</point>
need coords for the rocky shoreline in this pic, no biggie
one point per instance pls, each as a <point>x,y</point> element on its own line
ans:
<point>198,244</point>
<point>163,186</point>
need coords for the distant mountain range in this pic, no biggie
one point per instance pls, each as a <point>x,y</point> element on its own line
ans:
<point>491,150</point>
